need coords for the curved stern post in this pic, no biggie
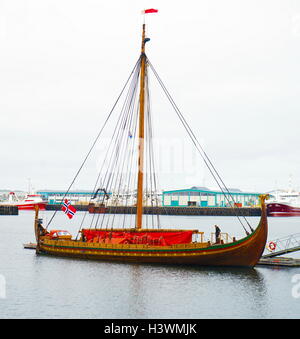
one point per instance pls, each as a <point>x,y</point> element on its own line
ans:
<point>263,198</point>
<point>262,228</point>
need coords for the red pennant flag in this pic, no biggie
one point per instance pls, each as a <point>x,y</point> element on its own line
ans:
<point>151,10</point>
<point>68,209</point>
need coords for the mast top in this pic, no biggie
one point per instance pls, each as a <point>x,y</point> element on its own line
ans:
<point>143,39</point>
<point>144,12</point>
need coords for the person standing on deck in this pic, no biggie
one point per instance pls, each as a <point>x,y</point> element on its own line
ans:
<point>218,232</point>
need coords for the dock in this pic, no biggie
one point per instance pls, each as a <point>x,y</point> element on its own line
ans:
<point>285,245</point>
<point>280,261</point>
<point>30,246</point>
<point>8,210</point>
<point>167,210</point>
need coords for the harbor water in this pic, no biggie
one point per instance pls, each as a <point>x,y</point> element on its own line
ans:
<point>34,286</point>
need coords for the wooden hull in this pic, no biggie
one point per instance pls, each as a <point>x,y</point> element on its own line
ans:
<point>243,252</point>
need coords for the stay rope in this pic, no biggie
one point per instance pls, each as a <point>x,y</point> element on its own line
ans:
<point>95,141</point>
<point>201,151</point>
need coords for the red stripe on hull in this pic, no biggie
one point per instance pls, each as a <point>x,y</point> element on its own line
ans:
<point>31,207</point>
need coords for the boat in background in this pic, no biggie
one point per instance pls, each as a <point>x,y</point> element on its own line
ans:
<point>29,202</point>
<point>97,208</point>
<point>284,204</point>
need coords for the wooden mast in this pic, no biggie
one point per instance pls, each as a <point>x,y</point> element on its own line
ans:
<point>139,206</point>
<point>36,227</point>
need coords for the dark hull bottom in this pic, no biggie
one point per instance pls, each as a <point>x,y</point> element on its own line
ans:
<point>184,262</point>
<point>284,214</point>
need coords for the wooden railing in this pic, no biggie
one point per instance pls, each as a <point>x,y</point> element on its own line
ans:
<point>224,238</point>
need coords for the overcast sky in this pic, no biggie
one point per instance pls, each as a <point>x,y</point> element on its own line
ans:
<point>232,67</point>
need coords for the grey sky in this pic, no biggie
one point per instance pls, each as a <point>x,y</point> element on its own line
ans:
<point>231,66</point>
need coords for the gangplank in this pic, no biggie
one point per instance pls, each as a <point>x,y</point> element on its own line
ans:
<point>283,246</point>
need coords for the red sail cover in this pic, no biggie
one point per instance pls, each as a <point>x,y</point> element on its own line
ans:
<point>149,238</point>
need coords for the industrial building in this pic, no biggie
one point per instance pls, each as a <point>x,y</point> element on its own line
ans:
<point>204,197</point>
<point>75,197</point>
<point>194,196</point>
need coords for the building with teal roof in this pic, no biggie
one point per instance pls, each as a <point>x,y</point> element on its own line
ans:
<point>204,197</point>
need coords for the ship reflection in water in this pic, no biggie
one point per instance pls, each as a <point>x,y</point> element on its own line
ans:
<point>204,292</point>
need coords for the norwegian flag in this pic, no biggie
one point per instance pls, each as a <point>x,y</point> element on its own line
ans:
<point>68,209</point>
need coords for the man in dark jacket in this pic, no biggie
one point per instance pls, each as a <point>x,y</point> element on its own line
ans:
<point>218,232</point>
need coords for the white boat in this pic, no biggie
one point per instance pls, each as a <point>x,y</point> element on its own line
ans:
<point>284,204</point>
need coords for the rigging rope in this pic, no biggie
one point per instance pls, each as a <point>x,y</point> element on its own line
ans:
<point>96,139</point>
<point>123,158</point>
<point>114,147</point>
<point>200,149</point>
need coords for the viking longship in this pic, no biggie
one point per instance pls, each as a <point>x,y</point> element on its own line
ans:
<point>129,176</point>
